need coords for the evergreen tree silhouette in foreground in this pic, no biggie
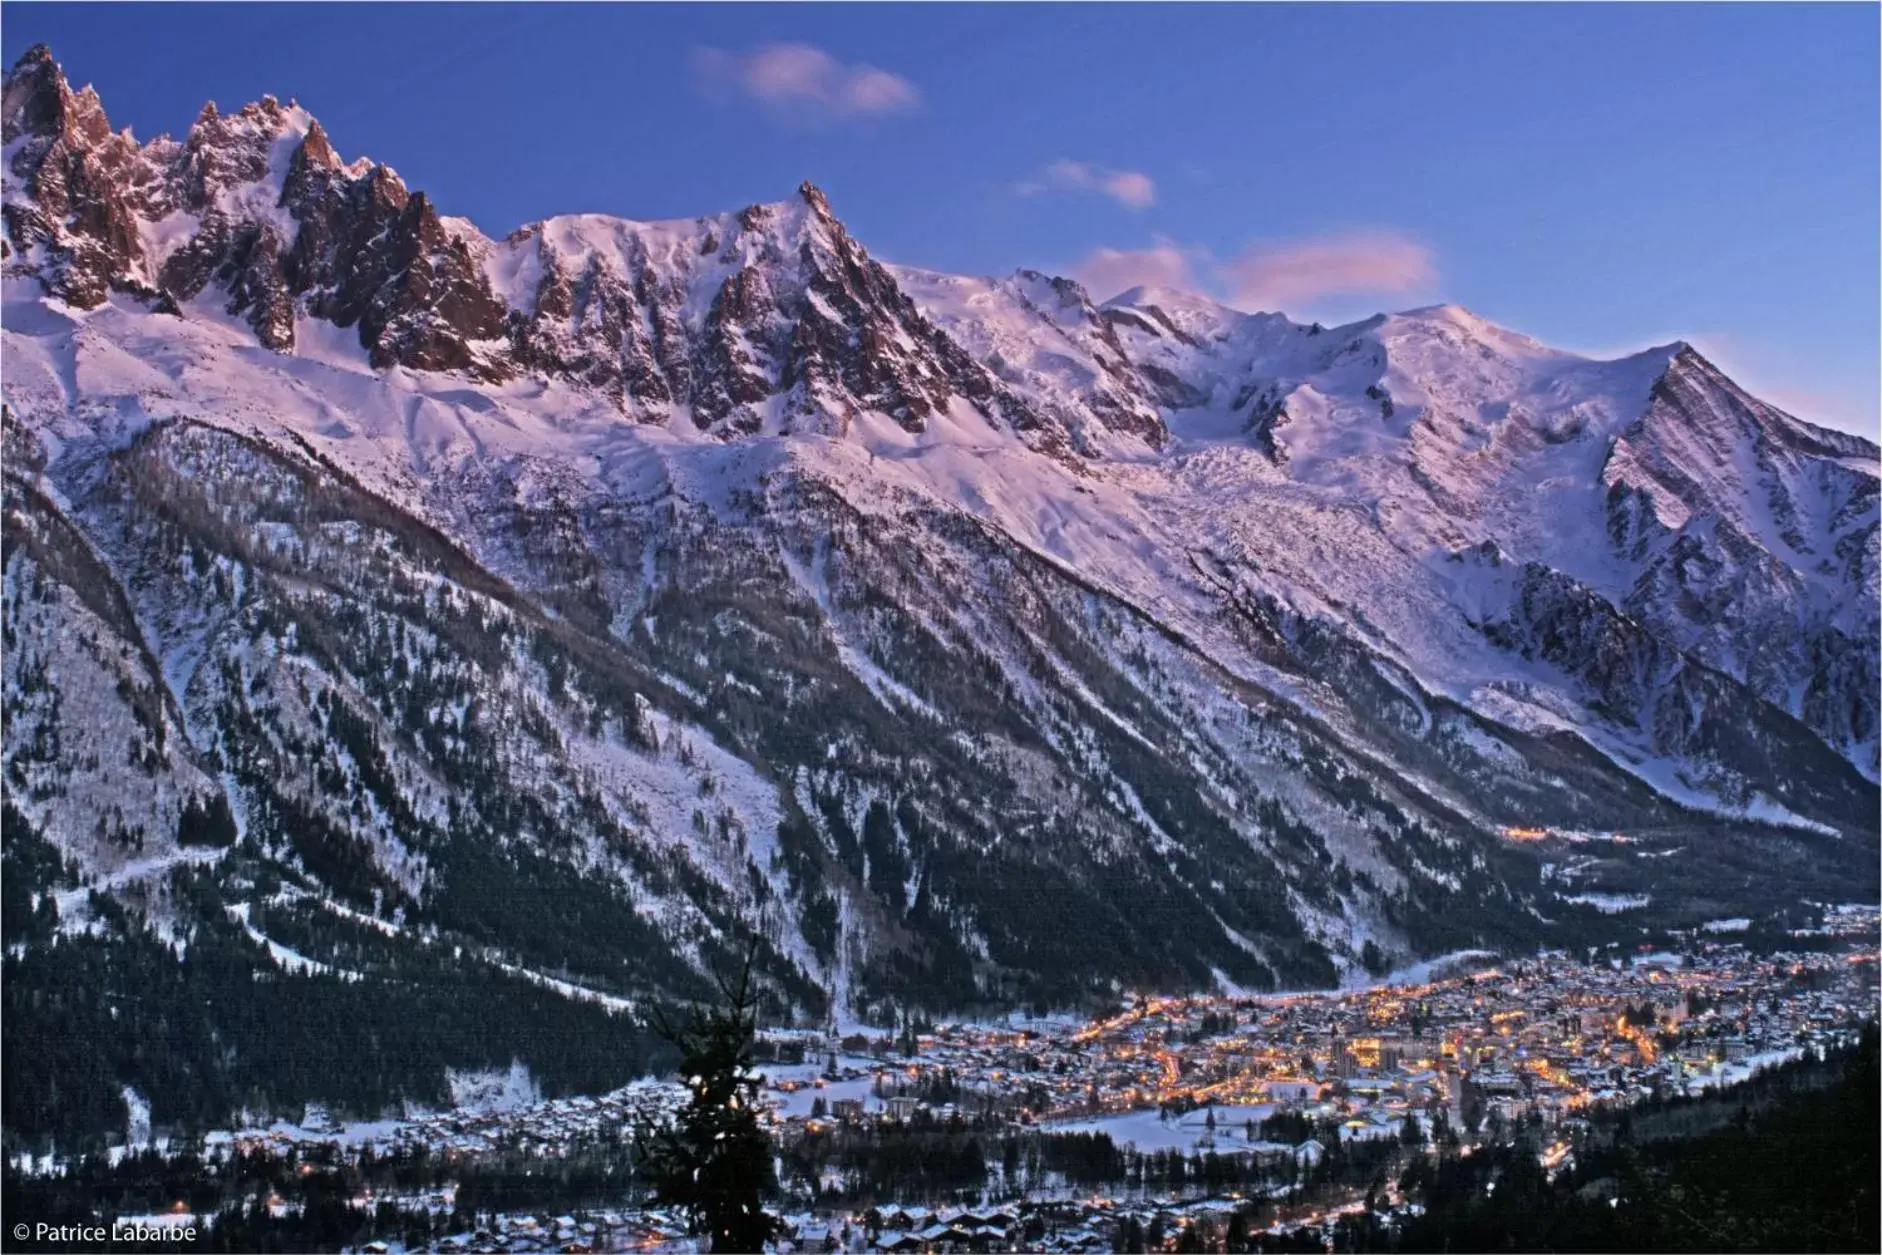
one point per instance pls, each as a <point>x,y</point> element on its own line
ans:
<point>715,1163</point>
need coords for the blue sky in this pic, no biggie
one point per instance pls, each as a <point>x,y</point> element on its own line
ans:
<point>1601,177</point>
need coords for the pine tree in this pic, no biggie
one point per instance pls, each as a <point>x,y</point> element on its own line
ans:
<point>715,1162</point>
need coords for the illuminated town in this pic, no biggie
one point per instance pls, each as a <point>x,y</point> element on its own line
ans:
<point>1255,1093</point>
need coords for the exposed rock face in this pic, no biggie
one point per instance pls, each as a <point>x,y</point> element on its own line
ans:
<point>253,204</point>
<point>1708,580</point>
<point>770,318</point>
<point>77,223</point>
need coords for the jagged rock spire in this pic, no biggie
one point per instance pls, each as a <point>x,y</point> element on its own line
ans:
<point>774,303</point>
<point>35,96</point>
<point>814,197</point>
<point>82,182</point>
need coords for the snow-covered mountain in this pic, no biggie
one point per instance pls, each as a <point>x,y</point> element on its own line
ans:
<point>386,602</point>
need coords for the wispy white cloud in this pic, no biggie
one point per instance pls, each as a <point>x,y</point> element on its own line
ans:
<point>1132,189</point>
<point>1108,271</point>
<point>802,82</point>
<point>1291,275</point>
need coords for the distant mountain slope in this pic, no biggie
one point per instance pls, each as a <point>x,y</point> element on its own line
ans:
<point>390,609</point>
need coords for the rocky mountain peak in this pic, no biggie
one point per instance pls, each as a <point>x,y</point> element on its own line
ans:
<point>37,55</point>
<point>1067,294</point>
<point>316,151</point>
<point>773,315</point>
<point>38,101</point>
<point>1693,390</point>
<point>813,196</point>
<point>224,152</point>
<point>281,226</point>
<point>76,227</point>
<point>773,318</point>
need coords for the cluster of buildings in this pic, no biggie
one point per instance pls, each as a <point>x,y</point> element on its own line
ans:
<point>1052,1225</point>
<point>1544,1037</point>
<point>607,1229</point>
<point>1538,1041</point>
<point>552,1128</point>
